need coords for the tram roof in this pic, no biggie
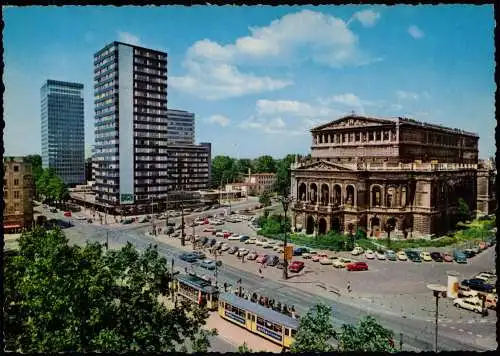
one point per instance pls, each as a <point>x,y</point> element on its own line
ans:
<point>258,309</point>
<point>197,283</point>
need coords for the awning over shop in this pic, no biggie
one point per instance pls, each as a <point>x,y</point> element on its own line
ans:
<point>12,226</point>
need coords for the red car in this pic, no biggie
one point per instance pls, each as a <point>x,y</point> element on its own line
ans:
<point>296,266</point>
<point>447,257</point>
<point>262,258</point>
<point>67,214</point>
<point>357,266</point>
<point>227,234</point>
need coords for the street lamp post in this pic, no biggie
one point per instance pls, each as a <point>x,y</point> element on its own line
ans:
<point>285,201</point>
<point>183,234</point>
<point>438,291</point>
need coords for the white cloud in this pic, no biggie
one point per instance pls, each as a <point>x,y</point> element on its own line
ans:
<point>213,70</point>
<point>219,120</point>
<point>129,38</point>
<point>401,94</point>
<point>415,32</point>
<point>368,18</point>
<point>273,125</point>
<point>297,108</point>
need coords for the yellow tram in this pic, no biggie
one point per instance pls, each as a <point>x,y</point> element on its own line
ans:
<point>195,289</point>
<point>265,322</point>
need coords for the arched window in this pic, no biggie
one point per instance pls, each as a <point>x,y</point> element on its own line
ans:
<point>325,194</point>
<point>302,191</point>
<point>376,196</point>
<point>404,193</point>
<point>350,195</point>
<point>390,197</point>
<point>314,193</point>
<point>337,193</point>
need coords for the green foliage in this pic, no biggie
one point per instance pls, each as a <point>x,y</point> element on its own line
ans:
<point>243,165</point>
<point>265,199</point>
<point>282,185</point>
<point>224,170</point>
<point>315,332</point>
<point>265,164</point>
<point>273,225</point>
<point>201,343</point>
<point>367,336</point>
<point>51,186</point>
<point>61,298</point>
<point>36,166</point>
<point>463,213</point>
<point>244,349</point>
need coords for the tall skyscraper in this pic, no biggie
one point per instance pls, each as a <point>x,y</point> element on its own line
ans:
<point>130,84</point>
<point>63,141</point>
<point>180,127</point>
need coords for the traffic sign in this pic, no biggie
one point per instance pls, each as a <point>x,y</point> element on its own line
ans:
<point>288,253</point>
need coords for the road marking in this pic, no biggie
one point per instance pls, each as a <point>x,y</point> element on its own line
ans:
<point>461,330</point>
<point>452,327</point>
<point>479,335</point>
<point>471,321</point>
<point>469,332</point>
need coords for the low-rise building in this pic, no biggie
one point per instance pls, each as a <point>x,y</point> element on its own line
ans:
<point>18,194</point>
<point>259,183</point>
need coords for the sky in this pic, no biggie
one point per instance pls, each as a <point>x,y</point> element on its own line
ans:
<point>259,78</point>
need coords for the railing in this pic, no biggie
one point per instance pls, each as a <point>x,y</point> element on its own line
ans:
<point>385,166</point>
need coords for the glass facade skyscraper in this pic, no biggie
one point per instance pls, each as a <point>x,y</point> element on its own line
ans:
<point>62,130</point>
<point>180,127</point>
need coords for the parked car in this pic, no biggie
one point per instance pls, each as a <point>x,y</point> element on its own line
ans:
<point>357,266</point>
<point>369,255</point>
<point>358,250</point>
<point>327,260</point>
<point>308,255</point>
<point>251,240</point>
<point>219,234</point>
<point>425,256</point>
<point>447,257</point>
<point>469,253</point>
<point>491,301</point>
<point>209,229</point>
<point>436,256</point>
<point>464,291</point>
<point>459,257</point>
<point>298,251</point>
<point>260,242</point>
<point>402,256</point>
<point>252,255</point>
<point>208,264</point>
<point>243,252</point>
<point>199,254</point>
<point>232,250</point>
<point>188,257</point>
<point>234,237</point>
<point>479,285</point>
<point>262,259</point>
<point>391,255</point>
<point>278,246</point>
<point>67,214</point>
<point>244,238</point>
<point>317,257</point>
<point>226,234</point>
<point>413,256</point>
<point>341,262</point>
<point>471,303</point>
<point>273,261</point>
<point>486,276</point>
<point>296,266</point>
<point>224,247</point>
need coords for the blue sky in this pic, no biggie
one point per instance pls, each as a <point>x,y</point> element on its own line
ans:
<point>258,78</point>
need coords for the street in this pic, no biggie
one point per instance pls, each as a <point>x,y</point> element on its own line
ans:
<point>418,333</point>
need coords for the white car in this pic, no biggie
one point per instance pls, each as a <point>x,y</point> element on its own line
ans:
<point>252,255</point>
<point>234,237</point>
<point>80,217</point>
<point>309,255</point>
<point>224,247</point>
<point>369,255</point>
<point>380,255</point>
<point>251,240</point>
<point>243,252</point>
<point>260,242</point>
<point>268,244</point>
<point>485,276</point>
<point>328,260</point>
<point>466,292</point>
<point>357,251</point>
<point>471,303</point>
<point>341,262</point>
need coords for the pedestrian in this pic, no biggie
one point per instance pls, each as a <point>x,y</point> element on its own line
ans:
<point>349,286</point>
<point>293,312</point>
<point>225,286</point>
<point>243,259</point>
<point>260,273</point>
<point>186,270</point>
<point>278,307</point>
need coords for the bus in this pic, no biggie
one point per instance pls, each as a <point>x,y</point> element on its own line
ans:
<point>265,322</point>
<point>196,289</point>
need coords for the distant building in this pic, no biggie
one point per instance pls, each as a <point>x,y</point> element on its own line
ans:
<point>18,188</point>
<point>189,167</point>
<point>88,169</point>
<point>180,127</point>
<point>62,122</point>
<point>260,183</point>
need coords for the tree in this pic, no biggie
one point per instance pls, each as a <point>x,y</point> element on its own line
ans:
<point>315,332</point>
<point>390,225</point>
<point>36,166</point>
<point>463,210</point>
<point>244,349</point>
<point>265,199</point>
<point>265,164</point>
<point>244,165</point>
<point>61,298</point>
<point>223,170</point>
<point>367,336</point>
<point>283,175</point>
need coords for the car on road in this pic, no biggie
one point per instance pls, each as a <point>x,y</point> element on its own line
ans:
<point>413,256</point>
<point>328,260</point>
<point>380,255</point>
<point>244,238</point>
<point>208,264</point>
<point>447,257</point>
<point>268,244</point>
<point>469,253</point>
<point>296,266</point>
<point>234,237</point>
<point>357,266</point>
<point>273,261</point>
<point>369,255</point>
<point>199,254</point>
<point>402,256</point>
<point>479,285</point>
<point>471,303</point>
<point>262,258</point>
<point>144,219</point>
<point>252,255</point>
<point>80,217</point>
<point>425,256</point>
<point>188,257</point>
<point>67,214</point>
<point>243,252</point>
<point>251,240</point>
<point>358,250</point>
<point>317,257</point>
<point>436,256</point>
<point>260,242</point>
<point>209,229</point>
<point>233,250</point>
<point>391,255</point>
<point>224,247</point>
<point>459,257</point>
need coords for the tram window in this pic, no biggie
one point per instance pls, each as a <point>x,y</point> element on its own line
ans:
<point>249,316</point>
<point>277,328</point>
<point>253,318</point>
<point>287,332</point>
<point>260,321</point>
<point>294,332</point>
<point>228,306</point>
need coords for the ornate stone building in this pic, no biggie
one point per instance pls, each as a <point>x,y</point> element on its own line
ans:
<point>363,171</point>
